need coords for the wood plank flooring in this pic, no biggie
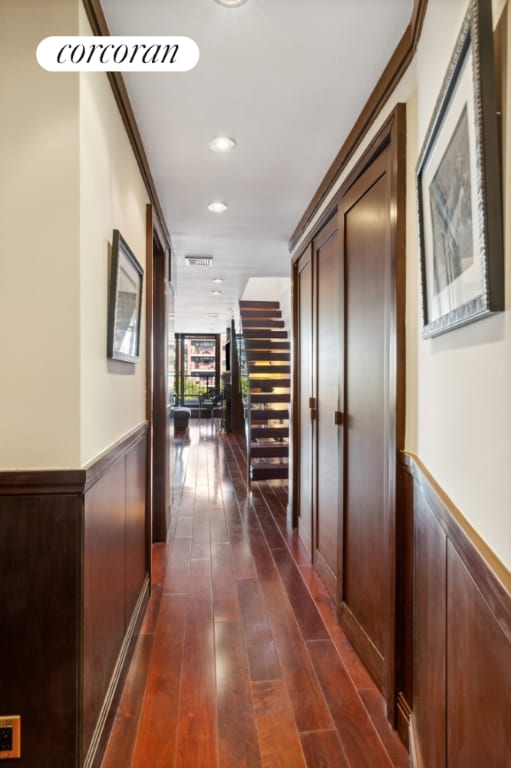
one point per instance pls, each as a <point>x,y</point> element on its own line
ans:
<point>240,662</point>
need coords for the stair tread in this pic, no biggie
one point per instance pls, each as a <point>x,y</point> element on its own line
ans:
<point>269,384</point>
<point>257,313</point>
<point>255,345</point>
<point>266,355</point>
<point>270,397</point>
<point>268,443</point>
<point>270,432</point>
<point>269,472</point>
<point>248,304</point>
<point>269,451</point>
<point>267,414</point>
<point>262,323</point>
<point>264,333</point>
<point>272,463</point>
<point>254,369</point>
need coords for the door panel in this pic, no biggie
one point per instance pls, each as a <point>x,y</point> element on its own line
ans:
<point>328,345</point>
<point>304,302</point>
<point>368,571</point>
<point>358,348</point>
<point>364,528</point>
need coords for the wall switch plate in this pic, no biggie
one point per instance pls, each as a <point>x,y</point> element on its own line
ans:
<point>10,736</point>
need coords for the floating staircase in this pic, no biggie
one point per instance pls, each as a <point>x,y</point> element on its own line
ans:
<point>268,356</point>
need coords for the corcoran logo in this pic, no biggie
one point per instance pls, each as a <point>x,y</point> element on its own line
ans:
<point>117,54</point>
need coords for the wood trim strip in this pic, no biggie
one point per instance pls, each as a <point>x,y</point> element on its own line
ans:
<point>393,128</point>
<point>42,482</point>
<point>403,718</point>
<point>416,760</point>
<point>68,481</point>
<point>99,26</point>
<point>101,733</point>
<point>491,576</point>
<point>388,81</point>
<point>149,366</point>
<point>99,466</point>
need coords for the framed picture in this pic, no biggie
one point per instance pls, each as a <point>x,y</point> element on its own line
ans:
<point>125,302</point>
<point>459,187</point>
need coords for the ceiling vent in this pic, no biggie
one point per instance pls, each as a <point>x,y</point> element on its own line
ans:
<point>199,261</point>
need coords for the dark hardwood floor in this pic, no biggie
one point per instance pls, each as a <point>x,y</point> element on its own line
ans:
<point>240,662</point>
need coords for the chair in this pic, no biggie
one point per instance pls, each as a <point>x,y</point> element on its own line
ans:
<point>181,417</point>
<point>209,400</point>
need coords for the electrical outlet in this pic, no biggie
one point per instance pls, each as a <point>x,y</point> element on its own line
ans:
<point>10,736</point>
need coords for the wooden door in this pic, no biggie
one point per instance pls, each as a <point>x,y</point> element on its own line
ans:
<point>303,393</point>
<point>158,474</point>
<point>328,464</point>
<point>373,419</point>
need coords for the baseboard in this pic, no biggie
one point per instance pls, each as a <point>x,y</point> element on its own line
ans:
<point>327,575</point>
<point>415,756</point>
<point>403,717</point>
<point>362,643</point>
<point>305,538</point>
<point>97,746</point>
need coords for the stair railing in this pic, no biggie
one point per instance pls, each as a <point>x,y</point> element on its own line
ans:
<point>245,396</point>
<point>237,416</point>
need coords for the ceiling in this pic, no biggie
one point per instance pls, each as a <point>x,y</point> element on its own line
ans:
<point>287,79</point>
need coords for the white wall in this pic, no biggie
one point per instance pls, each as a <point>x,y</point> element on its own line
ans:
<point>112,195</point>
<point>69,177</point>
<point>458,385</point>
<point>464,377</point>
<point>39,243</point>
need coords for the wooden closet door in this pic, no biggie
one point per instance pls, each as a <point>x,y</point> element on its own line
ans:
<point>303,423</point>
<point>367,594</point>
<point>328,337</point>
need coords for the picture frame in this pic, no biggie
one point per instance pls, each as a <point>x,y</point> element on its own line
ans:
<point>125,302</point>
<point>458,186</point>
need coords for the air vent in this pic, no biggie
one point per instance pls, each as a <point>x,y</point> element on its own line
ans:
<point>199,261</point>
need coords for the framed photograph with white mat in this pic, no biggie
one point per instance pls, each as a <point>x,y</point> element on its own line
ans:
<point>459,187</point>
<point>125,302</point>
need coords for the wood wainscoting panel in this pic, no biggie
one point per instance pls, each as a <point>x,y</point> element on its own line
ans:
<point>115,583</point>
<point>478,675</point>
<point>73,583</point>
<point>136,553</point>
<point>404,606</point>
<point>40,624</point>
<point>461,637</point>
<point>429,623</point>
<point>103,580</point>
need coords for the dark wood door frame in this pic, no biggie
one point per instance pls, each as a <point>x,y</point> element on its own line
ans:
<point>392,137</point>
<point>326,433</point>
<point>158,481</point>
<point>300,420</point>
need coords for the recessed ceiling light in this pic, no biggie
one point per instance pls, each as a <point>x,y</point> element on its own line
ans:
<point>217,207</point>
<point>222,144</point>
<point>231,3</point>
<point>218,280</point>
<point>216,293</point>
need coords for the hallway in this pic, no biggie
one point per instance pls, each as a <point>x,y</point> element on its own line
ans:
<point>239,661</point>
